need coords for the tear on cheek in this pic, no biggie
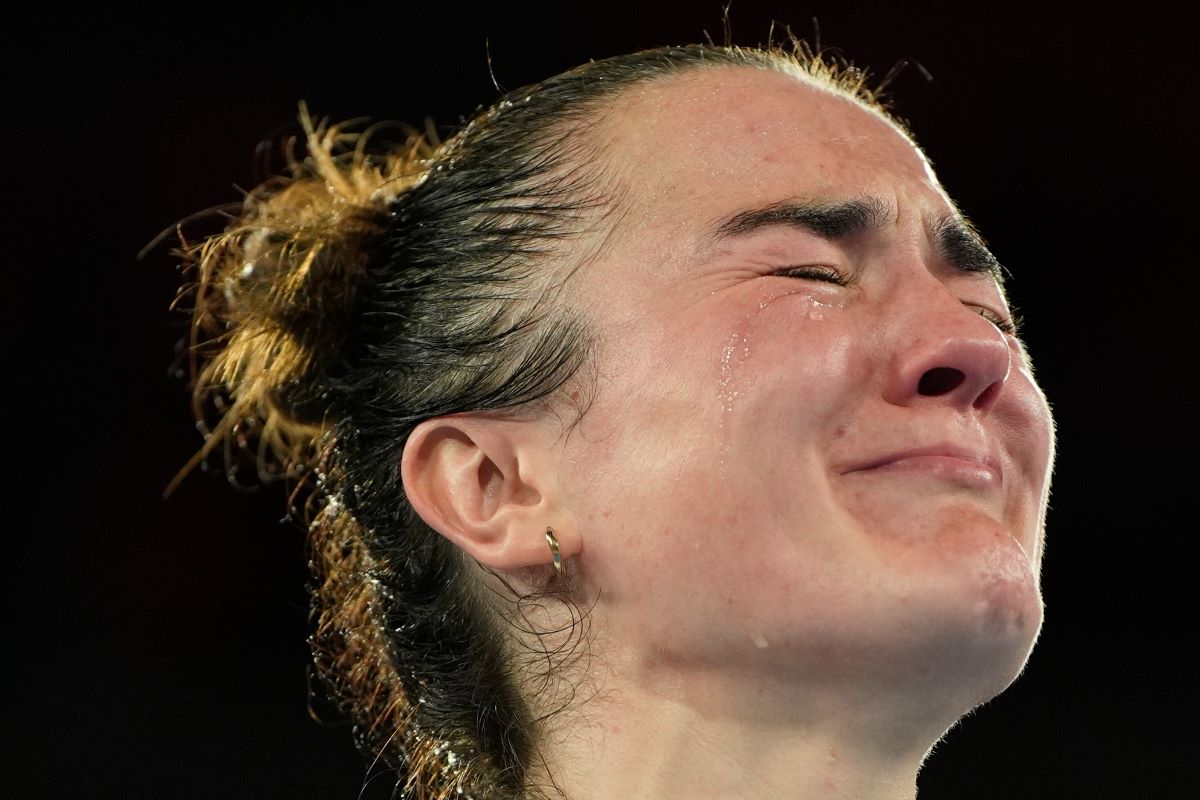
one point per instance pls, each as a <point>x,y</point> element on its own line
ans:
<point>814,306</point>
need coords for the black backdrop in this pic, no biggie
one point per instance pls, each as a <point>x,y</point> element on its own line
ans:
<point>158,648</point>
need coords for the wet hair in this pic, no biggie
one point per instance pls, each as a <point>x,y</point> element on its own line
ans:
<point>374,286</point>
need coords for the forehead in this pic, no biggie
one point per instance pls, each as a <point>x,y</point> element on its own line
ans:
<point>709,141</point>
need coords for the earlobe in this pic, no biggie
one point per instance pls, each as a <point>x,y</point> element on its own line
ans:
<point>489,486</point>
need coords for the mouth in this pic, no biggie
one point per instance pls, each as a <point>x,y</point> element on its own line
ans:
<point>959,465</point>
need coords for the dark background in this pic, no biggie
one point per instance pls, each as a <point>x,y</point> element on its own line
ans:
<point>157,648</point>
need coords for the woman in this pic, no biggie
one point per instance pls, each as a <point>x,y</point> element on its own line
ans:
<point>666,429</point>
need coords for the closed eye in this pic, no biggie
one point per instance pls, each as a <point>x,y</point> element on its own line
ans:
<point>815,272</point>
<point>1009,326</point>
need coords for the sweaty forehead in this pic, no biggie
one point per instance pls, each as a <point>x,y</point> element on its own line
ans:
<point>734,135</point>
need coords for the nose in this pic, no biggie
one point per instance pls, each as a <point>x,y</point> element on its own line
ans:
<point>949,354</point>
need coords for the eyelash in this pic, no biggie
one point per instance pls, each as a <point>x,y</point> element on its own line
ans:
<point>816,273</point>
<point>1009,327</point>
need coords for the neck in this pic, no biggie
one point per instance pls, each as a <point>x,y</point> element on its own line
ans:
<point>660,734</point>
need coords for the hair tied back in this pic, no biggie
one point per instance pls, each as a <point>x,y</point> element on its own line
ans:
<point>275,292</point>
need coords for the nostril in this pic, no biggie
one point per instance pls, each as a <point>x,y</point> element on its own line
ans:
<point>987,396</point>
<point>940,380</point>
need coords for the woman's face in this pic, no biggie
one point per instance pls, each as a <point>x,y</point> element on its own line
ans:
<point>843,467</point>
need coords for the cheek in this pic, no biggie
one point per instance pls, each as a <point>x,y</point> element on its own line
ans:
<point>646,434</point>
<point>707,442</point>
<point>789,378</point>
<point>801,371</point>
<point>1027,427</point>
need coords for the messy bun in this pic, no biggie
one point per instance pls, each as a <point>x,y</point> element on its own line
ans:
<point>375,286</point>
<point>274,294</point>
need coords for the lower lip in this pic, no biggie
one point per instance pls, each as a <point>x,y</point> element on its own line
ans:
<point>948,468</point>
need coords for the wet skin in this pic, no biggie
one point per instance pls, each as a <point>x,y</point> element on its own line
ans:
<point>810,456</point>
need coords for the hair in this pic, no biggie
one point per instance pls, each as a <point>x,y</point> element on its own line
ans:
<point>374,286</point>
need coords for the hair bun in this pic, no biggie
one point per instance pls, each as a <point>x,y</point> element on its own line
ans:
<point>276,291</point>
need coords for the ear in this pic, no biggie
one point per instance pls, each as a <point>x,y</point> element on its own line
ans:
<point>491,487</point>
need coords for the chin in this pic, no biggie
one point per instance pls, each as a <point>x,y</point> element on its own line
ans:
<point>989,604</point>
<point>990,636</point>
<point>1008,623</point>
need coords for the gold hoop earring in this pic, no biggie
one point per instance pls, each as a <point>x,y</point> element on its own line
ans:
<point>557,556</point>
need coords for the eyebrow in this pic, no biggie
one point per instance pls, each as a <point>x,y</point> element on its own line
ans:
<point>827,220</point>
<point>956,240</point>
<point>962,248</point>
